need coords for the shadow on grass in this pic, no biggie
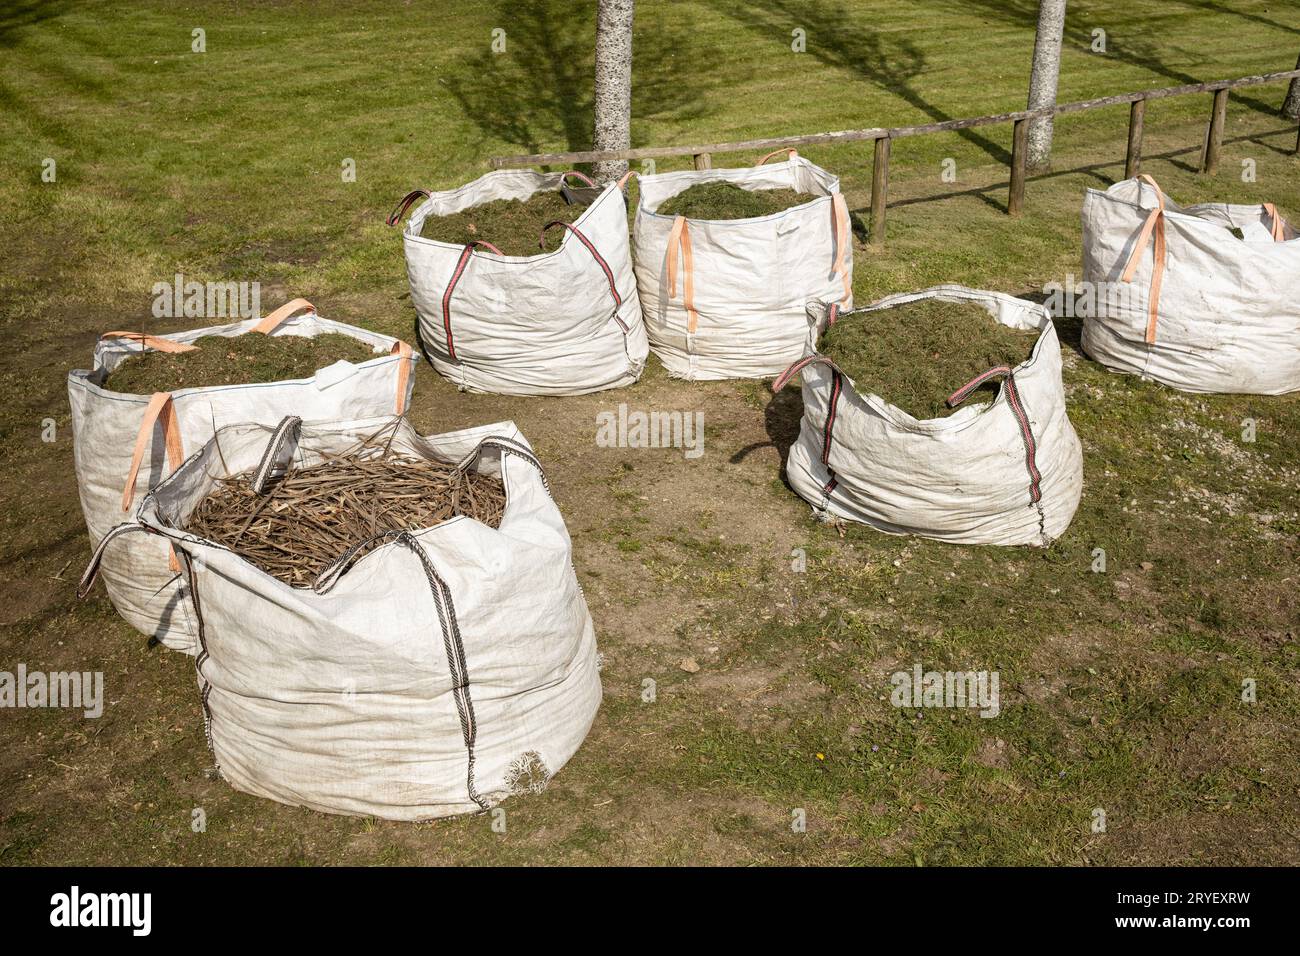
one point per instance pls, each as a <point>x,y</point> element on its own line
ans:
<point>834,38</point>
<point>19,15</point>
<point>781,417</point>
<point>1132,48</point>
<point>1091,169</point>
<point>1069,327</point>
<point>1254,17</point>
<point>539,90</point>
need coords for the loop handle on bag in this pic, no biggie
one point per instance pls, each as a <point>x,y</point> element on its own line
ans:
<point>281,315</point>
<point>330,575</point>
<point>567,193</point>
<point>840,230</point>
<point>828,429</point>
<point>92,569</point>
<point>680,236</point>
<point>1276,226</point>
<point>600,261</point>
<point>506,446</point>
<point>162,409</point>
<point>155,342</point>
<point>793,154</point>
<point>271,456</point>
<point>268,325</point>
<point>1154,224</point>
<point>1022,419</point>
<point>405,353</point>
<point>456,273</point>
<point>795,368</point>
<point>625,178</point>
<point>1151,181</point>
<point>404,204</point>
<point>959,396</point>
<point>832,405</point>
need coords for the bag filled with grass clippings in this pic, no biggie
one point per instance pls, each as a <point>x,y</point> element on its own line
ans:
<point>726,260</point>
<point>148,401</point>
<point>1201,298</point>
<point>982,452</point>
<point>523,284</point>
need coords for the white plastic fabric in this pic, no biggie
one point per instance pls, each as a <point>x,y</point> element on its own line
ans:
<point>963,478</point>
<point>434,675</point>
<point>528,325</point>
<point>751,279</point>
<point>1228,309</point>
<point>140,582</point>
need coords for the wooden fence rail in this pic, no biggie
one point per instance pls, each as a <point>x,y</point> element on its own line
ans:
<point>882,137</point>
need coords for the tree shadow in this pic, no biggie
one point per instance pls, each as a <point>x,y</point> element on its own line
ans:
<point>1069,326</point>
<point>1130,49</point>
<point>1255,17</point>
<point>781,420</point>
<point>834,38</point>
<point>538,91</point>
<point>1257,139</point>
<point>1095,170</point>
<point>18,15</point>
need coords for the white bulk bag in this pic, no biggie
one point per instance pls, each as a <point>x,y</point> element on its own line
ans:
<point>124,444</point>
<point>564,322</point>
<point>436,674</point>
<point>1185,302</point>
<point>1009,472</point>
<point>739,309</point>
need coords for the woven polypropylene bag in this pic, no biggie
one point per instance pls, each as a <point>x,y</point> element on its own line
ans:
<point>1009,472</point>
<point>1181,300</point>
<point>438,673</point>
<point>111,428</point>
<point>564,322</point>
<point>727,299</point>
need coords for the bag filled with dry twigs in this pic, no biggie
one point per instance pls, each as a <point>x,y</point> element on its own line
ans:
<point>295,525</point>
<point>389,624</point>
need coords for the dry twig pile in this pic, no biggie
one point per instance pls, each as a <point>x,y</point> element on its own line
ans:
<point>309,517</point>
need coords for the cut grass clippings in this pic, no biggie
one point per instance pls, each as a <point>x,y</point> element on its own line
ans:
<point>235,360</point>
<point>512,225</point>
<point>719,200</point>
<point>915,355</point>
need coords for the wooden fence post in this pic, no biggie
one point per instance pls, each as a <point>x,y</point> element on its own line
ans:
<point>1214,135</point>
<point>1133,159</point>
<point>1210,155</point>
<point>1019,146</point>
<point>879,191</point>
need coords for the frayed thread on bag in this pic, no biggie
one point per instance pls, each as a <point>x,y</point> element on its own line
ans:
<point>527,774</point>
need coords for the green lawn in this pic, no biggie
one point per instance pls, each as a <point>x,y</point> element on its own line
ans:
<point>1121,691</point>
